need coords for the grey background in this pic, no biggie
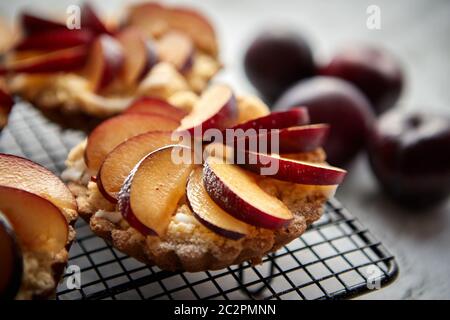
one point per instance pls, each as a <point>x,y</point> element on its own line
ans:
<point>417,31</point>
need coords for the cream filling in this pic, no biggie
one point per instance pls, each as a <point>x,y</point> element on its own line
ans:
<point>112,216</point>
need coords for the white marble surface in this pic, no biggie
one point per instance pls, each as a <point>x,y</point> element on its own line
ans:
<point>415,30</point>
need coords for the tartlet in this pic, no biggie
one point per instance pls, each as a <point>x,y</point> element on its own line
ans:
<point>107,65</point>
<point>37,214</point>
<point>187,243</point>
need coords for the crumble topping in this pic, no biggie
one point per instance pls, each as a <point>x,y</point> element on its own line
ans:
<point>112,216</point>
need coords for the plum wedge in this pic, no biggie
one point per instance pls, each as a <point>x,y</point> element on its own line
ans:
<point>33,24</point>
<point>56,40</point>
<point>91,20</point>
<point>24,174</point>
<point>209,213</point>
<point>120,161</point>
<point>237,192</point>
<point>295,171</point>
<point>216,109</point>
<point>114,131</point>
<point>150,194</point>
<point>140,55</point>
<point>155,106</point>
<point>290,140</point>
<point>55,61</point>
<point>176,48</point>
<point>6,101</point>
<point>152,17</point>
<point>11,263</point>
<point>38,223</point>
<point>105,62</point>
<point>277,120</point>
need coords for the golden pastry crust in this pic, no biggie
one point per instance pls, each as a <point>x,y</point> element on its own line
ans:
<point>187,244</point>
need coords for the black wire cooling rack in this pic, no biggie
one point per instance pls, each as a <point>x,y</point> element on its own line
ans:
<point>336,258</point>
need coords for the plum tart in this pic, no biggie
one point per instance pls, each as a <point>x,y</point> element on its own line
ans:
<point>98,68</point>
<point>189,206</point>
<point>37,213</point>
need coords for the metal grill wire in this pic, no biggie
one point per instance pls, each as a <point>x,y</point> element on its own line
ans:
<point>336,258</point>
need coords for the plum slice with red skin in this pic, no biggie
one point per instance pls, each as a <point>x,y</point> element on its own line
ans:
<point>106,59</point>
<point>150,194</point>
<point>38,223</point>
<point>209,213</point>
<point>216,109</point>
<point>21,173</point>
<point>110,133</point>
<point>277,120</point>
<point>56,61</point>
<point>176,48</point>
<point>33,24</point>
<point>122,159</point>
<point>56,40</point>
<point>294,171</point>
<point>140,55</point>
<point>238,193</point>
<point>153,105</point>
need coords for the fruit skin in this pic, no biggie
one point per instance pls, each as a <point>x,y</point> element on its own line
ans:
<point>6,101</point>
<point>90,20</point>
<point>373,70</point>
<point>56,40</point>
<point>275,60</point>
<point>234,204</point>
<point>295,171</point>
<point>209,213</point>
<point>32,24</point>
<point>339,104</point>
<point>290,140</point>
<point>219,105</point>
<point>277,120</point>
<point>9,246</point>
<point>409,153</point>
<point>57,61</point>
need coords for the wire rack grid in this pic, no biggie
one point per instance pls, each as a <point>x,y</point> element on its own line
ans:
<point>336,258</point>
